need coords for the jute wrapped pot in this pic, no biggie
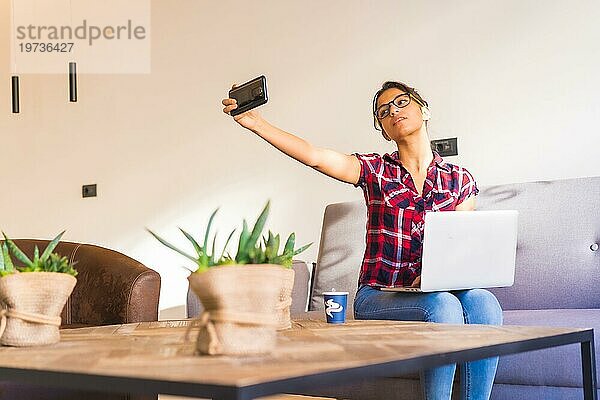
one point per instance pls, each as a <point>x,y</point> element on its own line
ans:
<point>285,299</point>
<point>30,307</point>
<point>240,308</point>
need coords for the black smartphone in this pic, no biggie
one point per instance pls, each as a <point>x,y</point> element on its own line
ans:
<point>249,95</point>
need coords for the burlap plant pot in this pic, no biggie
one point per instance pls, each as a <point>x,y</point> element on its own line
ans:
<point>285,299</point>
<point>30,307</point>
<point>240,308</point>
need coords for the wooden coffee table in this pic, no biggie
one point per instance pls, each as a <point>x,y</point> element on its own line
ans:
<point>153,357</point>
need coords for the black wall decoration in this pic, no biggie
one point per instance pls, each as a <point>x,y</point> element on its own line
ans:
<point>15,95</point>
<point>72,82</point>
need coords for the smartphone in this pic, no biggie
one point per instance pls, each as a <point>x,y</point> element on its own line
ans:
<point>249,95</point>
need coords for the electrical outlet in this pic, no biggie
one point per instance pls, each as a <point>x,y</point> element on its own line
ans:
<point>445,147</point>
<point>88,190</point>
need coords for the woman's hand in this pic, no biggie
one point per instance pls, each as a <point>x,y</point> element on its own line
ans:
<point>249,120</point>
<point>416,282</point>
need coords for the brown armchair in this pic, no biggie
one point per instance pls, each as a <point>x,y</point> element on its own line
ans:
<point>111,289</point>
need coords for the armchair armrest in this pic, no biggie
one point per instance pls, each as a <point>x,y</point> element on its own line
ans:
<point>111,289</point>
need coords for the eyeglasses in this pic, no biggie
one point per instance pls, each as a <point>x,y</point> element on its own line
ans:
<point>400,101</point>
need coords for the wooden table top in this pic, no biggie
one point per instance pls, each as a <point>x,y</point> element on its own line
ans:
<point>158,350</point>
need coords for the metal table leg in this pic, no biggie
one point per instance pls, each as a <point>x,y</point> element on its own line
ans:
<point>588,365</point>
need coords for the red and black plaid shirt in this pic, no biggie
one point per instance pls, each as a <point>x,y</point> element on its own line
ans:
<point>396,213</point>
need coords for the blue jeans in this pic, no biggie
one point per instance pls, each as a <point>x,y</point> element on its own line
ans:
<point>475,306</point>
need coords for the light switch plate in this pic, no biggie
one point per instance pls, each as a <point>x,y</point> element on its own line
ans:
<point>445,147</point>
<point>88,190</point>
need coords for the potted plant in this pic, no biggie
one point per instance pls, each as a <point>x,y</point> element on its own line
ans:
<point>247,297</point>
<point>32,296</point>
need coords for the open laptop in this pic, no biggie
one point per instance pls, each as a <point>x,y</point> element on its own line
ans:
<point>467,250</point>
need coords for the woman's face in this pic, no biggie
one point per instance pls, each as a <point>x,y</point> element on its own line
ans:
<point>400,122</point>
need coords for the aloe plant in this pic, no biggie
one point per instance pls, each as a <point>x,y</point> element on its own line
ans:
<point>46,262</point>
<point>249,253</point>
<point>250,249</point>
<point>203,259</point>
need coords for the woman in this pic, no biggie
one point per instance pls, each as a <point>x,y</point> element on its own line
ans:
<point>399,188</point>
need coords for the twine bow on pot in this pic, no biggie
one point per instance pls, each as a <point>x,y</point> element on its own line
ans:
<point>27,317</point>
<point>208,318</point>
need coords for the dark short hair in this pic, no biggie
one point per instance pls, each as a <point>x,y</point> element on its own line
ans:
<point>398,85</point>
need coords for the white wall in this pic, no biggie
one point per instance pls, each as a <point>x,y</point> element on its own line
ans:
<point>516,81</point>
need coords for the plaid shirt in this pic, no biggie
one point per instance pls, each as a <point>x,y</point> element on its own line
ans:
<point>396,213</point>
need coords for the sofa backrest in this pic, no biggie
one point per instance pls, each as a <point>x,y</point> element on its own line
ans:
<point>557,266</point>
<point>559,224</point>
<point>341,251</point>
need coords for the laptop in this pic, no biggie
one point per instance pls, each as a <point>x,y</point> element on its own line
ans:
<point>467,250</point>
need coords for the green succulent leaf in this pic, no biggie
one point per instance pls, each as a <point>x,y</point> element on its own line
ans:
<point>244,236</point>
<point>259,257</point>
<point>301,249</point>
<point>204,257</point>
<point>258,226</point>
<point>289,244</point>
<point>36,255</point>
<point>7,264</point>
<point>284,261</point>
<point>212,254</point>
<point>226,243</point>
<point>197,247</point>
<point>272,247</point>
<point>189,269</point>
<point>17,252</point>
<point>242,256</point>
<point>169,245</point>
<point>276,243</point>
<point>51,246</point>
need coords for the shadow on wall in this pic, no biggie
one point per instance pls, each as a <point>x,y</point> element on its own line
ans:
<point>499,193</point>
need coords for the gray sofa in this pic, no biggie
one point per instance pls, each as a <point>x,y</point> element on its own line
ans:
<point>556,284</point>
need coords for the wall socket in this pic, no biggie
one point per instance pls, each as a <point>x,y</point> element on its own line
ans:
<point>445,147</point>
<point>88,190</point>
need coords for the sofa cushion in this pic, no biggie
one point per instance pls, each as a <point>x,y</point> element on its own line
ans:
<point>511,392</point>
<point>558,366</point>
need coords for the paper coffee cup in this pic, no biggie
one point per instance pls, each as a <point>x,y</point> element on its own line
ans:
<point>335,306</point>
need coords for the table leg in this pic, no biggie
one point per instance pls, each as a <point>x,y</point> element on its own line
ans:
<point>588,364</point>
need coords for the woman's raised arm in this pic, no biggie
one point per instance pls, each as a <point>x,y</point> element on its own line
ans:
<point>343,167</point>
